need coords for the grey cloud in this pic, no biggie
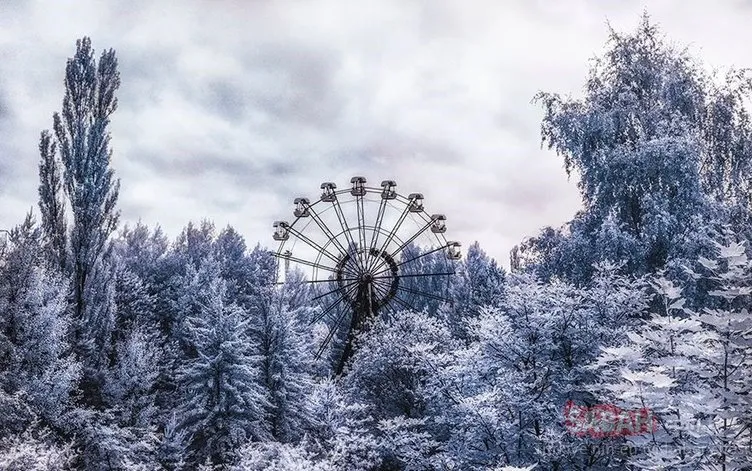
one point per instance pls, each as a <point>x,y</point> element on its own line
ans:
<point>194,165</point>
<point>227,99</point>
<point>296,84</point>
<point>14,177</point>
<point>198,172</point>
<point>6,114</point>
<point>143,74</point>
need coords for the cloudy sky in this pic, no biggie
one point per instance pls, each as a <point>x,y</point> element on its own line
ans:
<point>230,109</point>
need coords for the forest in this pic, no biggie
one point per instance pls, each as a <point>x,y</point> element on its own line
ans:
<point>621,340</point>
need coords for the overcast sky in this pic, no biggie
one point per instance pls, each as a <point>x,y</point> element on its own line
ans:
<point>230,109</point>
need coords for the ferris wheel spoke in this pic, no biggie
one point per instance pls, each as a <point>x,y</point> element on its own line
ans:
<point>413,259</point>
<point>412,275</point>
<point>305,262</point>
<point>377,227</point>
<point>329,309</point>
<point>423,293</point>
<point>414,236</point>
<point>382,289</point>
<point>362,254</point>
<point>404,304</point>
<point>313,244</point>
<point>405,243</point>
<point>322,225</point>
<point>393,232</point>
<point>338,288</point>
<point>328,338</point>
<point>343,222</point>
<point>310,282</point>
<point>333,280</point>
<point>383,281</point>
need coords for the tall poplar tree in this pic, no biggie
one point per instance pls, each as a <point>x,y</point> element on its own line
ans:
<point>82,140</point>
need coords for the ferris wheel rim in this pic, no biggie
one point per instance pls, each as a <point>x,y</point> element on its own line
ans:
<point>423,214</point>
<point>364,277</point>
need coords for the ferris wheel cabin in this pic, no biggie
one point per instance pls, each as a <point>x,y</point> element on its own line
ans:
<point>281,231</point>
<point>388,192</point>
<point>301,207</point>
<point>438,226</point>
<point>358,186</point>
<point>416,202</point>
<point>329,194</point>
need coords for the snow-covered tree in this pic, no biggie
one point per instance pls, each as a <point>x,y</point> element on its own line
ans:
<point>691,369</point>
<point>275,456</point>
<point>279,329</point>
<point>345,430</point>
<point>649,371</point>
<point>142,250</point>
<point>52,201</point>
<point>390,376</point>
<point>223,403</point>
<point>105,445</point>
<point>82,178</point>
<point>195,243</point>
<point>503,394</point>
<point>83,140</point>
<point>34,327</point>
<point>656,145</point>
<point>477,284</point>
<point>35,451</point>
<point>130,381</point>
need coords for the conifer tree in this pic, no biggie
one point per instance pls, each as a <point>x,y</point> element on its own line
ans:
<point>223,404</point>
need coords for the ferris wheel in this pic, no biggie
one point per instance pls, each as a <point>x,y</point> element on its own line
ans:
<point>365,250</point>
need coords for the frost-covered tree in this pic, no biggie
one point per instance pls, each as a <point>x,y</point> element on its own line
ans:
<point>275,456</point>
<point>503,393</point>
<point>390,376</point>
<point>83,140</point>
<point>477,284</point>
<point>223,403</point>
<point>345,431</point>
<point>52,201</point>
<point>485,278</point>
<point>195,243</point>
<point>130,381</point>
<point>105,445</point>
<point>722,353</point>
<point>653,141</point>
<point>35,451</point>
<point>691,369</point>
<point>229,250</point>
<point>142,250</point>
<point>279,329</point>
<point>94,331</point>
<point>649,371</point>
<point>34,326</point>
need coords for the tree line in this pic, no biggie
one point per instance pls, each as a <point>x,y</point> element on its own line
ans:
<point>123,350</point>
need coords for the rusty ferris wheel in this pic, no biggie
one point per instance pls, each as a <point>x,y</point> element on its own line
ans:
<point>361,248</point>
